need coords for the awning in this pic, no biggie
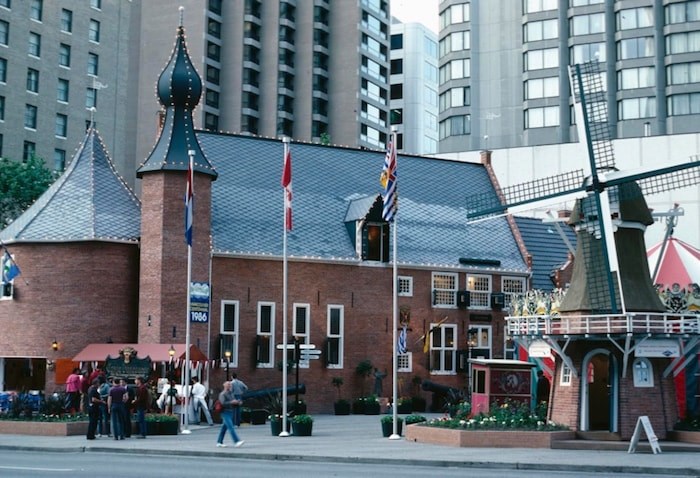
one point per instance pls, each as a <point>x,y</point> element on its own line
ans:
<point>680,263</point>
<point>156,352</point>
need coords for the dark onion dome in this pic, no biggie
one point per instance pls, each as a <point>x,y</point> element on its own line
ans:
<point>179,89</point>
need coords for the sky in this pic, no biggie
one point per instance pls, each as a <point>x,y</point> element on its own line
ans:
<point>420,11</point>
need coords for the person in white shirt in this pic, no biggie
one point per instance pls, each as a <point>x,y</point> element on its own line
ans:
<point>199,400</point>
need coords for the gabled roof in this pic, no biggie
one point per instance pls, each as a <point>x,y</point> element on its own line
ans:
<point>332,185</point>
<point>547,248</point>
<point>88,202</point>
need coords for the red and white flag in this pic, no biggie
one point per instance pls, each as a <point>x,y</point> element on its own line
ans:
<point>287,185</point>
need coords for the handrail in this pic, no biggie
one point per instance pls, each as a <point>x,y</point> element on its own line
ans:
<point>635,323</point>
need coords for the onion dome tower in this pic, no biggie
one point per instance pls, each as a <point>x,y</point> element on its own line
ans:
<point>163,279</point>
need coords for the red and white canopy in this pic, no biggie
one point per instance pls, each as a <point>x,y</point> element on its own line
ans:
<point>680,263</point>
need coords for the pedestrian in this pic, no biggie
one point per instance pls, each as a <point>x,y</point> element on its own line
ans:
<point>72,403</point>
<point>94,402</point>
<point>229,403</point>
<point>199,401</point>
<point>542,396</point>
<point>115,403</point>
<point>238,388</point>
<point>103,419</point>
<point>141,405</point>
<point>84,386</point>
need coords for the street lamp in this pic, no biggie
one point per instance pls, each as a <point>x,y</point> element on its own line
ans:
<point>171,377</point>
<point>227,354</point>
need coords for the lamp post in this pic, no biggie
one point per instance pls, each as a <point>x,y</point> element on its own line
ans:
<point>227,354</point>
<point>472,340</point>
<point>171,378</point>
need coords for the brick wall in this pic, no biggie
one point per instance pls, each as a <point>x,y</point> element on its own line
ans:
<point>76,294</point>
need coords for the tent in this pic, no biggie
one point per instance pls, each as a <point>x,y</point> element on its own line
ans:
<point>680,263</point>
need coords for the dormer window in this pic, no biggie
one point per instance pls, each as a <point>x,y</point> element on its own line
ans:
<point>375,241</point>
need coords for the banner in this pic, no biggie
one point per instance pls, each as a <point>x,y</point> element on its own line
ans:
<point>199,302</point>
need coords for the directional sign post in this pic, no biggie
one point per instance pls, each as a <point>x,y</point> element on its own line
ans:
<point>310,354</point>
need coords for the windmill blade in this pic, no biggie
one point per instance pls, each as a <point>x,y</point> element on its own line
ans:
<point>554,189</point>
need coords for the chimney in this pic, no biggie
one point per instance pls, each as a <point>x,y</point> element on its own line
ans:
<point>486,157</point>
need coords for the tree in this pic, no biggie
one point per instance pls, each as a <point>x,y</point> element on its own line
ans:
<point>21,183</point>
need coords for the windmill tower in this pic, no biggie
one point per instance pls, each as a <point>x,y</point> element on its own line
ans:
<point>615,347</point>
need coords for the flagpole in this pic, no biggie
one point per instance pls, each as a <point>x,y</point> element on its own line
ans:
<point>186,430</point>
<point>284,432</point>
<point>395,435</point>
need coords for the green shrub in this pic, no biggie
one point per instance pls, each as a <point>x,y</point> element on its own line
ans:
<point>303,418</point>
<point>410,419</point>
<point>390,419</point>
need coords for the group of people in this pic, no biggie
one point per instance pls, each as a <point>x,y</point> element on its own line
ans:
<point>112,405</point>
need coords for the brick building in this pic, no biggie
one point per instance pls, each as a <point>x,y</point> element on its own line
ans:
<point>99,266</point>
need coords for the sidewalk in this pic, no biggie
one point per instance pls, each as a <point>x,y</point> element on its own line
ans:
<point>356,438</point>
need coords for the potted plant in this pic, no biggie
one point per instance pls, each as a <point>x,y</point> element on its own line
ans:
<point>387,422</point>
<point>273,406</point>
<point>363,370</point>
<point>372,406</point>
<point>358,406</point>
<point>162,424</point>
<point>341,407</point>
<point>411,419</point>
<point>302,425</point>
<point>405,405</point>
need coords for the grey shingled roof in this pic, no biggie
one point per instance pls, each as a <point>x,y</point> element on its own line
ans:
<point>547,248</point>
<point>330,186</point>
<point>88,202</point>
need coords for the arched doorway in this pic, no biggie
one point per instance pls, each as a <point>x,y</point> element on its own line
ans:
<point>599,391</point>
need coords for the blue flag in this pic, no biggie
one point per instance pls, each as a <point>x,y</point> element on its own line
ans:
<point>10,269</point>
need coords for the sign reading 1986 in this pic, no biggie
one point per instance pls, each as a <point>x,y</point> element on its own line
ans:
<point>199,302</point>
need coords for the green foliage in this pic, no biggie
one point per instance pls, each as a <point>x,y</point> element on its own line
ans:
<point>303,418</point>
<point>415,419</point>
<point>506,416</point>
<point>161,418</point>
<point>325,139</point>
<point>390,419</point>
<point>689,424</point>
<point>21,183</point>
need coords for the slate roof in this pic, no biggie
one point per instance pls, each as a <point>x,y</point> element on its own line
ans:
<point>331,185</point>
<point>548,249</point>
<point>88,202</point>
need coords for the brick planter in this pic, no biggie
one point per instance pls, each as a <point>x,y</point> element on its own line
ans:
<point>485,438</point>
<point>10,427</point>
<point>684,436</point>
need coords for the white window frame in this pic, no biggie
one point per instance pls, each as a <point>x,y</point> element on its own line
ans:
<point>477,291</point>
<point>477,341</point>
<point>642,373</point>
<point>304,337</point>
<point>270,334</point>
<point>510,289</point>
<point>234,333</point>
<point>405,286</point>
<point>404,362</point>
<point>341,332</point>
<point>565,376</point>
<point>444,349</point>
<point>443,292</point>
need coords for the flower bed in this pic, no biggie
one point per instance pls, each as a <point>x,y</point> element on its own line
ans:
<point>422,433</point>
<point>35,427</point>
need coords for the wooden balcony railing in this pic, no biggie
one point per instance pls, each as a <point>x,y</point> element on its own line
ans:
<point>634,323</point>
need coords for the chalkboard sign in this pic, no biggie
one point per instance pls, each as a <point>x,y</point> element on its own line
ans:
<point>644,423</point>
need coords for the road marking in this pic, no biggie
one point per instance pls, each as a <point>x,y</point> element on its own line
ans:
<point>28,468</point>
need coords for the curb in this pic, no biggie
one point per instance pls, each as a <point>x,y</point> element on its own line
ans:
<point>372,461</point>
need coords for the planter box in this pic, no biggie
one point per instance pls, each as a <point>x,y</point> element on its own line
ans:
<point>684,436</point>
<point>10,427</point>
<point>485,438</point>
<point>388,428</point>
<point>302,429</point>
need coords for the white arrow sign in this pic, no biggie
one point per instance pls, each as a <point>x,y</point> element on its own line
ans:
<point>292,346</point>
<point>310,354</point>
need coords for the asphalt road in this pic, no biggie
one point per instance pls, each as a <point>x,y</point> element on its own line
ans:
<point>22,464</point>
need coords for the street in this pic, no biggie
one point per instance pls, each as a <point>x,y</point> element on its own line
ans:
<point>105,465</point>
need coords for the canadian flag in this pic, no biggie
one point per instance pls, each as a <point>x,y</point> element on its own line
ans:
<point>287,185</point>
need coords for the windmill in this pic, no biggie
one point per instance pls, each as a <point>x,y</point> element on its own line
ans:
<point>610,273</point>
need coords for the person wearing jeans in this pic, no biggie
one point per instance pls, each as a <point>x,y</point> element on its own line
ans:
<point>228,402</point>
<point>115,403</point>
<point>141,404</point>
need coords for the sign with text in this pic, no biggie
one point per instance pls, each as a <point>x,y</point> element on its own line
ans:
<point>658,348</point>
<point>199,302</point>
<point>539,348</point>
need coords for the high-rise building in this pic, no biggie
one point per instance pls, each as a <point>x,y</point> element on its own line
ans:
<point>303,69</point>
<point>62,65</point>
<point>414,87</point>
<point>503,69</point>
